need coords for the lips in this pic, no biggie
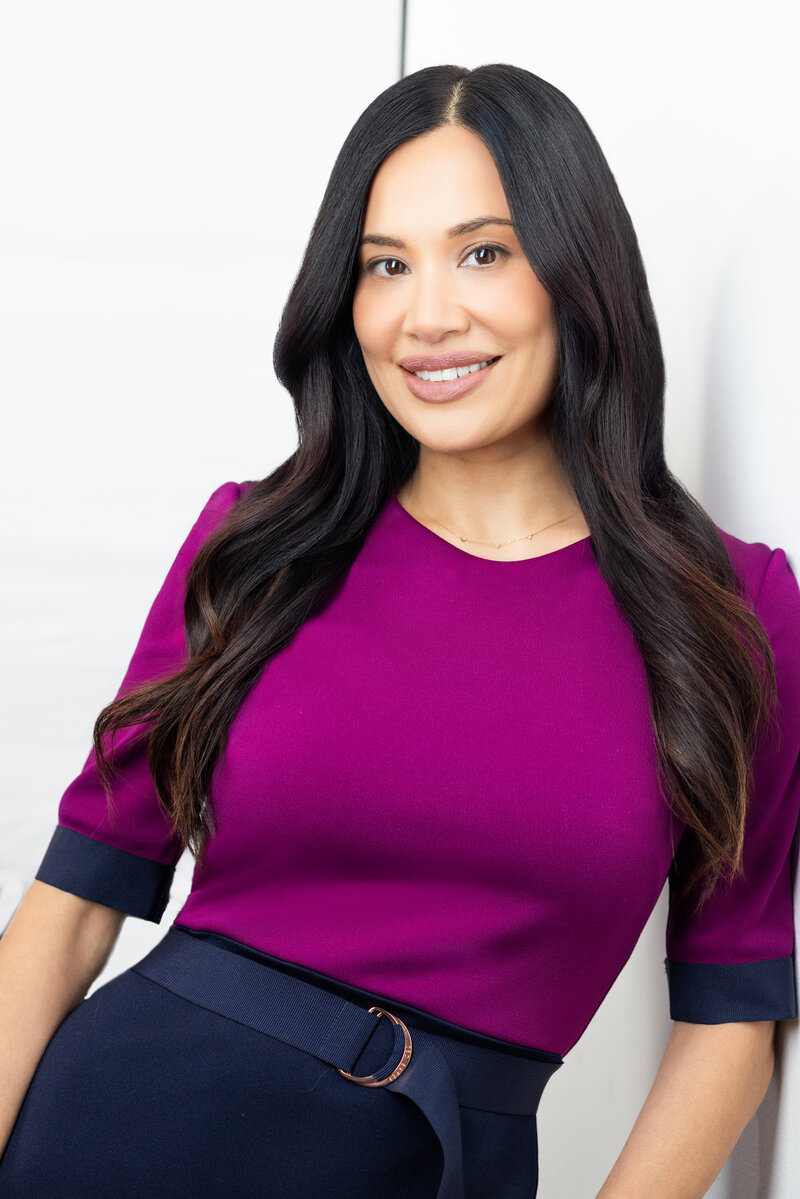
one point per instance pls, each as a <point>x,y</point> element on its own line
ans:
<point>448,389</point>
<point>444,362</point>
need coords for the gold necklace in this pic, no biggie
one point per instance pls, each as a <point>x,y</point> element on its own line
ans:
<point>498,544</point>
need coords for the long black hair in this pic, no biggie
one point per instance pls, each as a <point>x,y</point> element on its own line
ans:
<point>292,537</point>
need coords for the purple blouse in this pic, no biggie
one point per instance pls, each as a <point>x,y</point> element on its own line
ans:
<point>443,791</point>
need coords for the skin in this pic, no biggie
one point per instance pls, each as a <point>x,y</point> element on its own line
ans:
<point>487,470</point>
<point>54,947</point>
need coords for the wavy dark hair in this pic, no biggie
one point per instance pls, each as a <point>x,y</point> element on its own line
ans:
<point>293,535</point>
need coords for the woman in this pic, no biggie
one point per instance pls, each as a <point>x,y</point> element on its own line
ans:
<point>438,705</point>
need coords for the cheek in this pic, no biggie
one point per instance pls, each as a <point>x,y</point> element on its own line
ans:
<point>369,324</point>
<point>532,314</point>
<point>358,313</point>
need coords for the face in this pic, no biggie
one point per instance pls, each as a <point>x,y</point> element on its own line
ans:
<point>426,290</point>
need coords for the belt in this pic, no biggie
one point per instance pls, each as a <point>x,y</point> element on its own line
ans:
<point>436,1072</point>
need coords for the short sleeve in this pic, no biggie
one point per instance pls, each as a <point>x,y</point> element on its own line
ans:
<point>126,858</point>
<point>735,959</point>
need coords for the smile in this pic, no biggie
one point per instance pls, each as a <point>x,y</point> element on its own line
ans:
<point>455,372</point>
<point>450,384</point>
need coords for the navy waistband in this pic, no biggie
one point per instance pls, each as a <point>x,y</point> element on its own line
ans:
<point>437,1072</point>
<point>411,1014</point>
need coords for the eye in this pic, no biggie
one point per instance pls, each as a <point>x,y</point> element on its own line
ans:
<point>482,250</point>
<point>370,268</point>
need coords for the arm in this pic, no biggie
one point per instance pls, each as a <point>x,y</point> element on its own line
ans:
<point>730,962</point>
<point>50,954</point>
<point>710,1082</point>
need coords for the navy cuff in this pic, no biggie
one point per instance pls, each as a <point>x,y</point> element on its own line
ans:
<point>93,870</point>
<point>701,993</point>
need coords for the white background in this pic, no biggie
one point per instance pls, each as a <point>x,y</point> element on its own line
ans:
<point>161,166</point>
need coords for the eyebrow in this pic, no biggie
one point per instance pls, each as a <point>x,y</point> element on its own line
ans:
<point>379,239</point>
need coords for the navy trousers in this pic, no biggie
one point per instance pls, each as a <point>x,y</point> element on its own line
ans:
<point>143,1093</point>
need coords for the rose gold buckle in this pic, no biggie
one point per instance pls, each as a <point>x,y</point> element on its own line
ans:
<point>369,1080</point>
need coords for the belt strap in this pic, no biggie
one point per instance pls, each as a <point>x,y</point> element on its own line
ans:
<point>440,1073</point>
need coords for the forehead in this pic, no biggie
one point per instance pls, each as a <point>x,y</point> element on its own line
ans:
<point>432,182</point>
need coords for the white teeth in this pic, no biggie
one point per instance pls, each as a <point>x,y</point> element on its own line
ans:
<point>455,372</point>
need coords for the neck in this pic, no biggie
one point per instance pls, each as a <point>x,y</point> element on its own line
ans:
<point>493,501</point>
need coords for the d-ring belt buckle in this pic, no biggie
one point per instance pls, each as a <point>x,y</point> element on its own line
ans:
<point>370,1080</point>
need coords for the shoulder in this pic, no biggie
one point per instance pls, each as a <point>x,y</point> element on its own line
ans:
<point>218,506</point>
<point>223,500</point>
<point>767,574</point>
<point>771,584</point>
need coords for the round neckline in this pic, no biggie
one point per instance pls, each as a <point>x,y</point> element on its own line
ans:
<point>552,554</point>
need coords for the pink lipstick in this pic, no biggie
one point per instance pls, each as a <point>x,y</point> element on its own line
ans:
<point>446,389</point>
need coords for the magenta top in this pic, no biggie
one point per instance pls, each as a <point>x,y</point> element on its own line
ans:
<point>443,791</point>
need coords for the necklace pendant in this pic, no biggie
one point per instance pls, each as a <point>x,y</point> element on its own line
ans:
<point>530,536</point>
<point>463,539</point>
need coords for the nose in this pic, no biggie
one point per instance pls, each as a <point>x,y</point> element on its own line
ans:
<point>433,309</point>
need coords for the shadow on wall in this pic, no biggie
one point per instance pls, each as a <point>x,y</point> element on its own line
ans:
<point>752,417</point>
<point>752,432</point>
<point>608,1073</point>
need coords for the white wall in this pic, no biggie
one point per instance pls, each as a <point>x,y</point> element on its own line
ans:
<point>162,164</point>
